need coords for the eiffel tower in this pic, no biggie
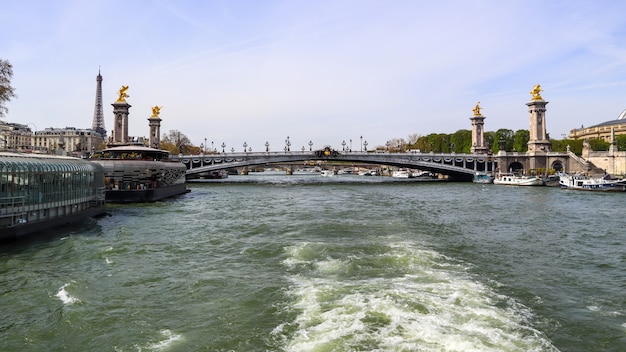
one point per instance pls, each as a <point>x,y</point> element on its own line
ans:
<point>98,116</point>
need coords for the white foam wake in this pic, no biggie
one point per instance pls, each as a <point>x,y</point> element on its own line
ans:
<point>163,344</point>
<point>397,299</point>
<point>65,297</point>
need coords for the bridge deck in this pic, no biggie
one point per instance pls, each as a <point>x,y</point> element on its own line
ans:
<point>456,166</point>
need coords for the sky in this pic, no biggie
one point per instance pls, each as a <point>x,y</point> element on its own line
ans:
<point>322,71</point>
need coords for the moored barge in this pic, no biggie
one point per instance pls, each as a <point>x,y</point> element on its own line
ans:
<point>137,174</point>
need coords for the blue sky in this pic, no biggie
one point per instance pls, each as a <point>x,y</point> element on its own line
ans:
<point>326,71</point>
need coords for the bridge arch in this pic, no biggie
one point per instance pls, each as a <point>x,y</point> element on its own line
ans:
<point>515,167</point>
<point>458,167</point>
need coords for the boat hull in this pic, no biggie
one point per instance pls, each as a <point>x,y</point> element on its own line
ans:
<point>144,195</point>
<point>512,180</point>
<point>22,230</point>
<point>592,184</point>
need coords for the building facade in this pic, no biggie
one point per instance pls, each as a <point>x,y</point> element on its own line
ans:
<point>67,141</point>
<point>15,136</point>
<point>602,131</point>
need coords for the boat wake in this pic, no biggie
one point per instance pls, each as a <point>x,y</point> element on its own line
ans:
<point>397,298</point>
<point>65,297</point>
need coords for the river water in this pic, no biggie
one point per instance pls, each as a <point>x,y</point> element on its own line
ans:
<point>270,262</point>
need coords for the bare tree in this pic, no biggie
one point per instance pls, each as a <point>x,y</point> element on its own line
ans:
<point>413,137</point>
<point>6,91</point>
<point>178,139</point>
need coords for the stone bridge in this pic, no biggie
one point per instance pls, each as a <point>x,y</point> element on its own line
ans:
<point>458,167</point>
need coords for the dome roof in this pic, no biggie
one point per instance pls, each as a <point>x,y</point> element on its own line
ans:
<point>620,120</point>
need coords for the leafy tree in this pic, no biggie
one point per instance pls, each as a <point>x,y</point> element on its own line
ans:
<point>520,140</point>
<point>505,135</point>
<point>620,142</point>
<point>6,91</point>
<point>575,145</point>
<point>490,137</point>
<point>461,141</point>
<point>598,144</point>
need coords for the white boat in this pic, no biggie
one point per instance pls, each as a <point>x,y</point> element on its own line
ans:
<point>327,173</point>
<point>481,177</point>
<point>511,179</point>
<point>605,183</point>
<point>401,174</point>
<point>422,174</point>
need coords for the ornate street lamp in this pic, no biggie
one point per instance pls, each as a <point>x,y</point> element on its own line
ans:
<point>303,148</point>
<point>287,144</point>
<point>212,149</point>
<point>350,145</point>
<point>267,146</point>
<point>204,150</point>
<point>223,146</point>
<point>310,146</point>
<point>232,150</point>
<point>365,144</point>
<point>361,144</point>
<point>245,145</point>
<point>343,145</point>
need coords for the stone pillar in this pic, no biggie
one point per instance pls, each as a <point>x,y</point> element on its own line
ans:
<point>539,141</point>
<point>478,132</point>
<point>120,124</point>
<point>155,131</point>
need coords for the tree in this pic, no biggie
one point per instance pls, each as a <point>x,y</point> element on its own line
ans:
<point>176,142</point>
<point>6,91</point>
<point>520,140</point>
<point>505,135</point>
<point>396,144</point>
<point>413,137</point>
<point>620,142</point>
<point>461,141</point>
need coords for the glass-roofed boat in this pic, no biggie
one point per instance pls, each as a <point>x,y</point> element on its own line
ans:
<point>38,192</point>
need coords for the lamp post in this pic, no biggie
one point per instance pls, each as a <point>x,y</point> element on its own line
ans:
<point>204,150</point>
<point>245,145</point>
<point>303,148</point>
<point>212,150</point>
<point>310,146</point>
<point>343,145</point>
<point>267,146</point>
<point>350,145</point>
<point>365,144</point>
<point>361,150</point>
<point>287,144</point>
<point>223,146</point>
<point>232,150</point>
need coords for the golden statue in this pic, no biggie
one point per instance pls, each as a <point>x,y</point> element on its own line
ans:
<point>476,109</point>
<point>535,92</point>
<point>156,110</point>
<point>122,94</point>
